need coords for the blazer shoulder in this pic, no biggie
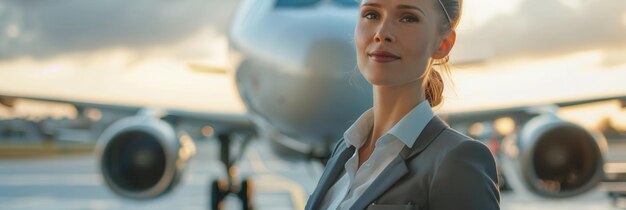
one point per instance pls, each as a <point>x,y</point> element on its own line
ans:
<point>462,147</point>
<point>449,140</point>
<point>466,174</point>
<point>471,149</point>
<point>455,137</point>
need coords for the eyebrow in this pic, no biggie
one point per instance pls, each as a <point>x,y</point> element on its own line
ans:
<point>401,6</point>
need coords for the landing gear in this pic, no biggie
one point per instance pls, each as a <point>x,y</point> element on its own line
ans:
<point>220,188</point>
<point>502,182</point>
<point>245,194</point>
<point>618,199</point>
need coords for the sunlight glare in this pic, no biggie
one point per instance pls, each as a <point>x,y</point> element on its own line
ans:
<point>480,11</point>
<point>156,76</point>
<point>618,119</point>
<point>537,80</point>
<point>572,4</point>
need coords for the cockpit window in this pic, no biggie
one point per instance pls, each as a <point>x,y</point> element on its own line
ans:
<point>296,3</point>
<point>349,3</point>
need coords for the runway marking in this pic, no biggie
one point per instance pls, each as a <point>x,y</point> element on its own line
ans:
<point>51,180</point>
<point>278,183</point>
<point>273,183</point>
<point>257,162</point>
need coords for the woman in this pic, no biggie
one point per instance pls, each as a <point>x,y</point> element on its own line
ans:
<point>398,155</point>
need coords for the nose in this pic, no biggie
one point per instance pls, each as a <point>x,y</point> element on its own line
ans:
<point>384,33</point>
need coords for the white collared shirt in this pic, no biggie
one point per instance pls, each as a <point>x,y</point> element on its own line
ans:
<point>354,181</point>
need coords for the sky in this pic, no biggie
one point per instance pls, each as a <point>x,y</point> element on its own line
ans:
<point>137,51</point>
<point>40,29</point>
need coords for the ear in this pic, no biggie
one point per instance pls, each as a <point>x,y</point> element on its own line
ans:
<point>446,44</point>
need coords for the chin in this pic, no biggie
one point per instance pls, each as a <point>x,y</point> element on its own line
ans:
<point>381,77</point>
<point>382,81</point>
<point>390,80</point>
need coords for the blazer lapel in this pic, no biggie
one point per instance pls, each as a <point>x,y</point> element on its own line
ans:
<point>329,177</point>
<point>398,168</point>
<point>394,171</point>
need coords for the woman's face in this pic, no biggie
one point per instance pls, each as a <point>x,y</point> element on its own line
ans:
<point>395,40</point>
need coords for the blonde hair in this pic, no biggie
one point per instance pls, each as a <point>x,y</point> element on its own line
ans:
<point>433,84</point>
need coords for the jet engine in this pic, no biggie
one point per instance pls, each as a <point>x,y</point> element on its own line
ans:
<point>143,157</point>
<point>556,158</point>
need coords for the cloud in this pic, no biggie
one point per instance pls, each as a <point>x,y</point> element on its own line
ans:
<point>48,28</point>
<point>547,27</point>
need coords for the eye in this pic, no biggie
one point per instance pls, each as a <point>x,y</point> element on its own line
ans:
<point>370,15</point>
<point>409,19</point>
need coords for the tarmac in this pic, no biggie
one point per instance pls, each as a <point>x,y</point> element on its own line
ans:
<point>70,181</point>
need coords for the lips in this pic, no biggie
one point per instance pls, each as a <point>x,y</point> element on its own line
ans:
<point>382,56</point>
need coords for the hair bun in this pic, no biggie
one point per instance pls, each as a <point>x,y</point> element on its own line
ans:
<point>434,88</point>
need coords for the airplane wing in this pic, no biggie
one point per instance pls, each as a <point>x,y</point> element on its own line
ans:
<point>9,101</point>
<point>203,124</point>
<point>199,67</point>
<point>196,124</point>
<point>521,112</point>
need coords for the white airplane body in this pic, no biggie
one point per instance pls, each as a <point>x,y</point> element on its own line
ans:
<point>295,71</point>
<point>306,88</point>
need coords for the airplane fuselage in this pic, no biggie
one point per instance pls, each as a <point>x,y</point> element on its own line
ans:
<point>299,71</point>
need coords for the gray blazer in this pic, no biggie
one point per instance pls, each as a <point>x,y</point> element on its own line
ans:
<point>444,170</point>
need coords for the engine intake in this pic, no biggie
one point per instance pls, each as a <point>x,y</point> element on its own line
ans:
<point>558,158</point>
<point>141,157</point>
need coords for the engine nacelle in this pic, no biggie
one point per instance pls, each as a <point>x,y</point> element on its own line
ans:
<point>142,157</point>
<point>557,158</point>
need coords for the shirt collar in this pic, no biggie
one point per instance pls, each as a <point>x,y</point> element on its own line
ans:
<point>412,124</point>
<point>360,129</point>
<point>407,129</point>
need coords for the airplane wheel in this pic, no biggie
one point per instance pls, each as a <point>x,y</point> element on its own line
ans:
<point>619,200</point>
<point>503,184</point>
<point>245,194</point>
<point>218,193</point>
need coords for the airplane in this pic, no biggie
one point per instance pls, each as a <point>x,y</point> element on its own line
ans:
<point>294,67</point>
<point>90,120</point>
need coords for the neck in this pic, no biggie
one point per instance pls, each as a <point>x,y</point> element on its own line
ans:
<point>391,103</point>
